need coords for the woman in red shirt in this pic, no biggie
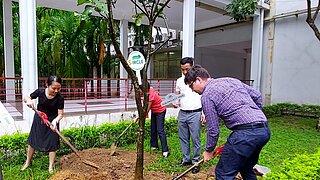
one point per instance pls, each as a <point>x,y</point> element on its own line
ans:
<point>158,113</point>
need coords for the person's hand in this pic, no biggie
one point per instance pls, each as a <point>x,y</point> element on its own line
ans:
<point>30,103</point>
<point>203,119</point>
<point>54,124</point>
<point>207,155</point>
<point>176,104</point>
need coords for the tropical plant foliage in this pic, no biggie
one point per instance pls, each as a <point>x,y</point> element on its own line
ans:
<point>240,10</point>
<point>68,44</point>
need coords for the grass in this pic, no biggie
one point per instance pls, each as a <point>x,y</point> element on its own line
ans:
<point>290,136</point>
<point>38,171</point>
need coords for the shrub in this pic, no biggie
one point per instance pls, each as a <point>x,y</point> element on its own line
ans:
<point>13,147</point>
<point>305,110</point>
<point>303,166</point>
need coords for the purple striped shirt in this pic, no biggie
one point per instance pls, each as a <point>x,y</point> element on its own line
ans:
<point>233,101</point>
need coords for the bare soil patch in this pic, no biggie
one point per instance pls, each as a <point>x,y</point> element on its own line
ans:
<point>119,167</point>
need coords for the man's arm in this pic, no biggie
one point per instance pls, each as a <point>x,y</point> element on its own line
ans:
<point>176,103</point>
<point>212,122</point>
<point>254,94</point>
<point>212,127</point>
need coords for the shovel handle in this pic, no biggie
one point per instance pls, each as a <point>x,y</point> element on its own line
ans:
<point>59,134</point>
<point>125,130</point>
<point>217,152</point>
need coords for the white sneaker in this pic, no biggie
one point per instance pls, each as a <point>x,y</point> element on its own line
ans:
<point>154,148</point>
<point>165,154</point>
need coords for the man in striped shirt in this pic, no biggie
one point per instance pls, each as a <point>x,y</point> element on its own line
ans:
<point>240,108</point>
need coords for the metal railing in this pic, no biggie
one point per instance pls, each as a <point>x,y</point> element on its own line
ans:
<point>86,95</point>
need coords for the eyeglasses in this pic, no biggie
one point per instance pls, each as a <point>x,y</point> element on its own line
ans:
<point>191,85</point>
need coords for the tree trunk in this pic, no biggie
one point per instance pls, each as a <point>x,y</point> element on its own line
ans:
<point>140,144</point>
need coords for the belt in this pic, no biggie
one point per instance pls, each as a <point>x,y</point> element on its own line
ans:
<point>250,126</point>
<point>191,111</point>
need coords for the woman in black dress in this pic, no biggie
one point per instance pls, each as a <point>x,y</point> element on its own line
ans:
<point>42,137</point>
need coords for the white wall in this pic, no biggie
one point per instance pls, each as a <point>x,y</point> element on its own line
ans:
<point>222,51</point>
<point>224,63</point>
<point>296,58</point>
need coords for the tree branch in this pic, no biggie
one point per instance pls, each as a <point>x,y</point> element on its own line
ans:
<point>116,45</point>
<point>317,11</point>
<point>160,10</point>
<point>311,21</point>
<point>168,37</point>
<point>136,5</point>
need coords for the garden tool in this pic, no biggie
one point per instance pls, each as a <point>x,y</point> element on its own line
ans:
<point>44,118</point>
<point>216,153</point>
<point>114,145</point>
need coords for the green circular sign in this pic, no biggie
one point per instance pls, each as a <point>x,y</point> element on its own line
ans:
<point>136,60</point>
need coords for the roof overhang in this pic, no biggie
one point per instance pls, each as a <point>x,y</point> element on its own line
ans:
<point>209,13</point>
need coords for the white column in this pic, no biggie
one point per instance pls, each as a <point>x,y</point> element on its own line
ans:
<point>124,50</point>
<point>188,28</point>
<point>8,50</point>
<point>123,45</point>
<point>28,39</point>
<point>256,54</point>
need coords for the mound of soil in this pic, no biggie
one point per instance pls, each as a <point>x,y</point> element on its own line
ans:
<point>117,167</point>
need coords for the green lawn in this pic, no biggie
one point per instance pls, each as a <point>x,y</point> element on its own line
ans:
<point>290,136</point>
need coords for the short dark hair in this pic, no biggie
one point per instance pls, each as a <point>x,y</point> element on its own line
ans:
<point>53,78</point>
<point>194,72</point>
<point>186,60</point>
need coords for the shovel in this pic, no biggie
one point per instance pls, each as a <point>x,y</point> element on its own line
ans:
<point>48,123</point>
<point>114,145</point>
<point>216,152</point>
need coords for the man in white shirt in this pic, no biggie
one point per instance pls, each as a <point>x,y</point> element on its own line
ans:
<point>189,118</point>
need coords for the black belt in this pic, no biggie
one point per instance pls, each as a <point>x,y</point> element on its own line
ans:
<point>250,126</point>
<point>191,111</point>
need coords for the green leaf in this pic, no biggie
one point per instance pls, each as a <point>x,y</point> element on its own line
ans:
<point>80,2</point>
<point>138,22</point>
<point>101,5</point>
<point>87,10</point>
<point>137,18</point>
<point>241,9</point>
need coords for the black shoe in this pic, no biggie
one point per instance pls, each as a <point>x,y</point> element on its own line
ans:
<point>184,163</point>
<point>195,170</point>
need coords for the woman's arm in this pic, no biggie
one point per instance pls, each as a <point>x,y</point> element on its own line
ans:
<point>28,101</point>
<point>56,120</point>
<point>149,107</point>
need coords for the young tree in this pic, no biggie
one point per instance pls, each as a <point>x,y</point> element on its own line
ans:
<point>151,10</point>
